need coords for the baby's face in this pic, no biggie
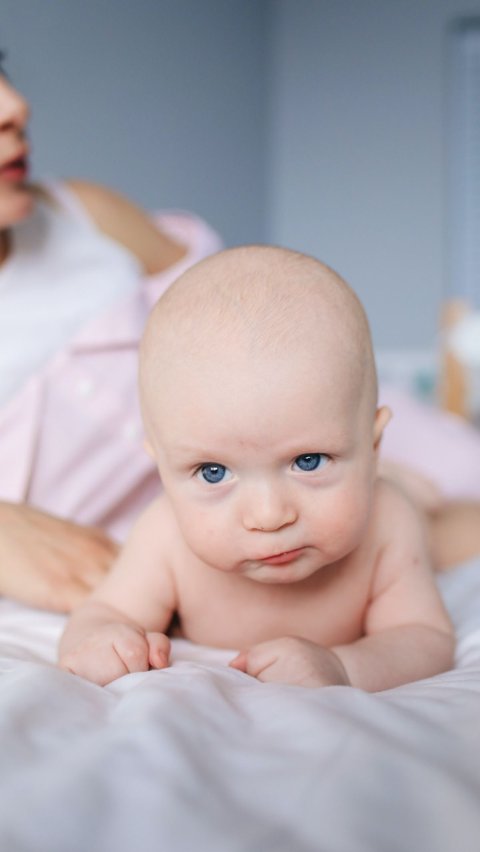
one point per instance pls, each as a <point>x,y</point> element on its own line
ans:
<point>269,467</point>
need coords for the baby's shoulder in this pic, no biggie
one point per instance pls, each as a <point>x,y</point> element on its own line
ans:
<point>156,522</point>
<point>388,495</point>
<point>395,515</point>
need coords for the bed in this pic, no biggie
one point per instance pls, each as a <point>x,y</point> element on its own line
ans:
<point>202,757</point>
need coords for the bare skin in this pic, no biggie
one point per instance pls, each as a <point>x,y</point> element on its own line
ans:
<point>274,534</point>
<point>454,534</point>
<point>78,558</point>
<point>44,561</point>
<point>452,527</point>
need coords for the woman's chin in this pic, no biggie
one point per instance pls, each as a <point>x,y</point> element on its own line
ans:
<point>15,206</point>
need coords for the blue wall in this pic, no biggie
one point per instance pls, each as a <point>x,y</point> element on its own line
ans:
<point>318,124</point>
<point>162,99</point>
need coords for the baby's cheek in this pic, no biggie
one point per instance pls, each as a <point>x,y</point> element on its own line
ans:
<point>357,508</point>
<point>343,522</point>
<point>204,536</point>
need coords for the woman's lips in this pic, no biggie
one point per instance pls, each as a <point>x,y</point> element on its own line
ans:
<point>15,170</point>
<point>282,558</point>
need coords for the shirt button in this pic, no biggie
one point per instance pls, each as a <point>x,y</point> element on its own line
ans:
<point>131,430</point>
<point>84,387</point>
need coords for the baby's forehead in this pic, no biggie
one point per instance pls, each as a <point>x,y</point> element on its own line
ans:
<point>223,406</point>
<point>252,390</point>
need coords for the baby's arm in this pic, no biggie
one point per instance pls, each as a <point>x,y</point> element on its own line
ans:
<point>121,627</point>
<point>408,635</point>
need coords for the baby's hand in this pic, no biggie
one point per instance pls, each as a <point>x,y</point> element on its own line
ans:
<point>294,661</point>
<point>114,650</point>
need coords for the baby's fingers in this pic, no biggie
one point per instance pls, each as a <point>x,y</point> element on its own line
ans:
<point>101,668</point>
<point>132,651</point>
<point>159,650</point>
<point>239,662</point>
<point>257,659</point>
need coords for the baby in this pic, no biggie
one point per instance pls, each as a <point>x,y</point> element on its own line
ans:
<point>273,533</point>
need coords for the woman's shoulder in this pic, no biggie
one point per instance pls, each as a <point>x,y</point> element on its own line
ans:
<point>126,223</point>
<point>103,204</point>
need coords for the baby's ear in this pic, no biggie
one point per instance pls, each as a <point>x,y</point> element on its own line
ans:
<point>383,416</point>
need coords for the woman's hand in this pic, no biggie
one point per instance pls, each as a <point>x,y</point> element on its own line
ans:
<point>48,562</point>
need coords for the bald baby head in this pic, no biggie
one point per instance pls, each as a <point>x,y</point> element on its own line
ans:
<point>257,310</point>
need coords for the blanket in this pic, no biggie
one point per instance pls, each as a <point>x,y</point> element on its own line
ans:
<point>202,757</point>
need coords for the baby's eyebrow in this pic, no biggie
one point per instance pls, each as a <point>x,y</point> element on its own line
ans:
<point>188,452</point>
<point>187,446</point>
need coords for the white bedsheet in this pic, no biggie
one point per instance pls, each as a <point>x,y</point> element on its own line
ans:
<point>201,757</point>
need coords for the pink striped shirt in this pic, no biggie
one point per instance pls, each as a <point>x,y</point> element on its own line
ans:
<point>71,439</point>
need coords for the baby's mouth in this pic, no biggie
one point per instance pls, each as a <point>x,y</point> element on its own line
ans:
<point>283,558</point>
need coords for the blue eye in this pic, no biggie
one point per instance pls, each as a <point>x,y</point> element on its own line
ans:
<point>310,461</point>
<point>213,473</point>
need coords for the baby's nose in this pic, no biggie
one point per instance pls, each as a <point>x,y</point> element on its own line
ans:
<point>268,510</point>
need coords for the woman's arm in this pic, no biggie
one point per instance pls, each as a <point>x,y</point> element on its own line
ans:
<point>129,225</point>
<point>49,562</point>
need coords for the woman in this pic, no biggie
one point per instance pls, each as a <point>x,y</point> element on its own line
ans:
<point>79,268</point>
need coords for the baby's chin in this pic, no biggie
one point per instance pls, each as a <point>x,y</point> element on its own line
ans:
<point>276,574</point>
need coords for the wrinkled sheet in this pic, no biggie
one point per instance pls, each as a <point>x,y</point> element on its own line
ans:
<point>202,757</point>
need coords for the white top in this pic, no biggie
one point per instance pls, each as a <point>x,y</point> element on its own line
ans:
<point>61,272</point>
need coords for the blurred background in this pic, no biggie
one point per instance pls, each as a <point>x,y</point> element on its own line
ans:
<point>321,125</point>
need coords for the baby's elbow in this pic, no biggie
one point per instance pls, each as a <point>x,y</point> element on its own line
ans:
<point>445,645</point>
